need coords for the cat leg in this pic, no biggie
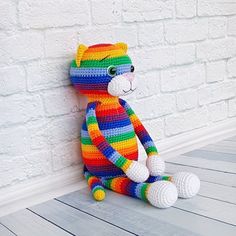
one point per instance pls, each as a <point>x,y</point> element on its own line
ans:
<point>187,184</point>
<point>161,194</point>
<point>95,185</point>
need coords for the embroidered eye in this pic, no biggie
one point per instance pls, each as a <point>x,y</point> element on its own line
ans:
<point>111,70</point>
<point>132,68</point>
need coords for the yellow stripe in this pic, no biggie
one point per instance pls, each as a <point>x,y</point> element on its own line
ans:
<point>101,55</point>
<point>124,144</point>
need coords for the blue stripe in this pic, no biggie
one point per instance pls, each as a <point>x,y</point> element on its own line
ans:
<point>91,72</point>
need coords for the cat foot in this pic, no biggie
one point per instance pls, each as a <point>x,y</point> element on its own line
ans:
<point>187,184</point>
<point>162,194</point>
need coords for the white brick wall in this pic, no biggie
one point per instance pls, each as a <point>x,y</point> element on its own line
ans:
<point>184,52</point>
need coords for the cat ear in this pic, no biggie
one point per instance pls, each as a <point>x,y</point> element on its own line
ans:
<point>122,46</point>
<point>80,52</point>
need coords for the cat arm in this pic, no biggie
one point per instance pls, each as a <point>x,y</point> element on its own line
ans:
<point>155,164</point>
<point>133,169</point>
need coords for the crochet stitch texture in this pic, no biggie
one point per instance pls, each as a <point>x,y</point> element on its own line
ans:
<point>109,133</point>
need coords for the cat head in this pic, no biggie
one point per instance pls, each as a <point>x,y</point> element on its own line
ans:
<point>103,69</point>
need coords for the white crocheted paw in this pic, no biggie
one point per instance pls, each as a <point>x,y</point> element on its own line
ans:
<point>137,172</point>
<point>155,165</point>
<point>162,194</point>
<point>187,184</point>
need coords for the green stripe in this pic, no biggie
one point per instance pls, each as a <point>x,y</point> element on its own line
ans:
<point>97,188</point>
<point>107,183</point>
<point>112,139</point>
<point>121,162</point>
<point>130,112</point>
<point>104,63</point>
<point>143,191</point>
<point>91,120</point>
<point>151,149</point>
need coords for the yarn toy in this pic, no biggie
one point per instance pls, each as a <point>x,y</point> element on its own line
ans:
<point>103,72</point>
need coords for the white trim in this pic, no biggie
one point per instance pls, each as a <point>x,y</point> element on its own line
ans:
<point>36,191</point>
<point>177,145</point>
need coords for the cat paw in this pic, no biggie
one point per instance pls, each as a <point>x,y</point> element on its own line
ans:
<point>155,165</point>
<point>187,184</point>
<point>137,172</point>
<point>162,194</point>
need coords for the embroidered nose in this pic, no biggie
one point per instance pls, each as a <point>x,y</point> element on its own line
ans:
<point>129,76</point>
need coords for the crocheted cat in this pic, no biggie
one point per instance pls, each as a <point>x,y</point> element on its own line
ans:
<point>103,72</point>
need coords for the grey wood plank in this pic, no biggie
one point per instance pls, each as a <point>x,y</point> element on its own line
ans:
<point>218,192</point>
<point>75,221</point>
<point>232,139</point>
<point>206,175</point>
<point>122,217</point>
<point>205,163</point>
<point>212,155</point>
<point>211,208</point>
<point>146,217</point>
<point>222,147</point>
<point>25,223</point>
<point>5,232</point>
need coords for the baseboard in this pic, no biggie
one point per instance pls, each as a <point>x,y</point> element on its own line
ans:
<point>37,191</point>
<point>182,143</point>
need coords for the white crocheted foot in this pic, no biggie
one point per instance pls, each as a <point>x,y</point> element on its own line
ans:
<point>155,165</point>
<point>162,194</point>
<point>137,172</point>
<point>187,184</point>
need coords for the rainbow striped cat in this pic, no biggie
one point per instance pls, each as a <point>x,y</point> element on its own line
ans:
<point>103,72</point>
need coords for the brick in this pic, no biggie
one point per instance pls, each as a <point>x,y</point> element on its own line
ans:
<point>231,67</point>
<point>64,129</point>
<point>157,58</point>
<point>19,168</point>
<point>155,128</point>
<point>232,26</point>
<point>12,80</point>
<point>8,14</point>
<point>104,12</point>
<point>185,53</point>
<point>127,34</point>
<point>180,78</point>
<point>216,92</point>
<point>38,135</point>
<point>151,11</point>
<point>47,74</point>
<point>189,120</point>
<point>216,49</point>
<point>216,71</point>
<point>186,100</point>
<point>22,46</point>
<point>147,84</point>
<point>66,154</point>
<point>186,8</point>
<point>186,31</point>
<point>217,111</point>
<point>14,141</point>
<point>213,7</point>
<point>18,109</point>
<point>60,43</point>
<point>216,27</point>
<point>52,13</point>
<point>60,101</point>
<point>151,34</point>
<point>155,106</point>
<point>232,107</point>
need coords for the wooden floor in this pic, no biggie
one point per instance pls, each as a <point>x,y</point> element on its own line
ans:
<point>212,212</point>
